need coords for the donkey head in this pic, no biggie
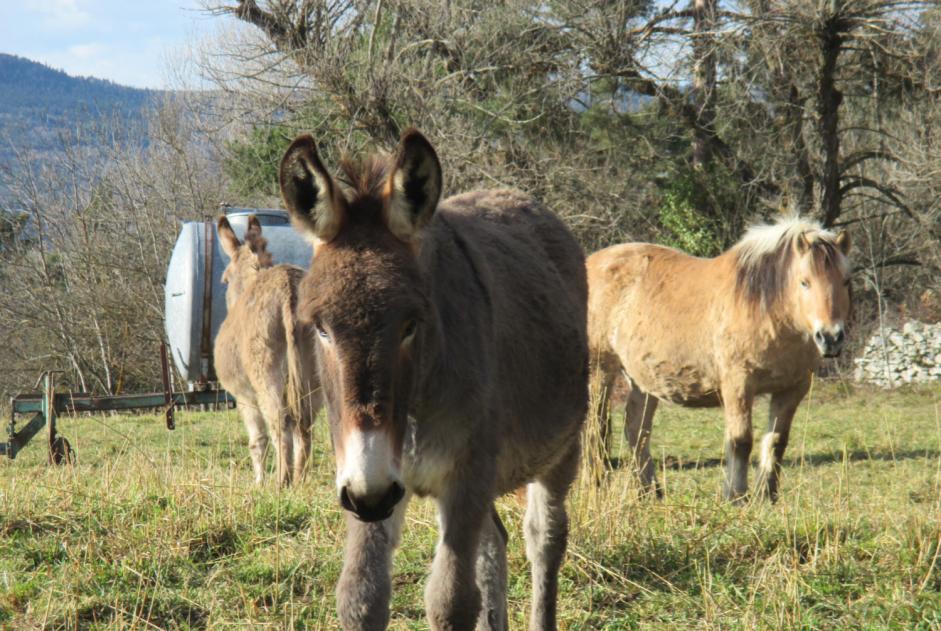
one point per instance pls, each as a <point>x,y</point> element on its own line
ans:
<point>245,259</point>
<point>820,286</point>
<point>365,301</point>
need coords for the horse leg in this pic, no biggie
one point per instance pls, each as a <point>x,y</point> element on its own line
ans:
<point>605,382</point>
<point>546,529</point>
<point>365,585</point>
<point>780,415</point>
<point>257,437</point>
<point>639,419</point>
<point>491,575</point>
<point>738,440</point>
<point>280,425</point>
<point>452,598</point>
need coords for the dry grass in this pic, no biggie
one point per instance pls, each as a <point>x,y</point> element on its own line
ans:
<point>165,531</point>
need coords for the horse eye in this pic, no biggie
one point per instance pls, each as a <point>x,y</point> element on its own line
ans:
<point>846,283</point>
<point>805,284</point>
<point>322,332</point>
<point>409,329</point>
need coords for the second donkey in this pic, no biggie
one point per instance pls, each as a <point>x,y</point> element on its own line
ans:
<point>257,349</point>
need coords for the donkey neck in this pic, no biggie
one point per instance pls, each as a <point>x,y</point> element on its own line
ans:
<point>457,336</point>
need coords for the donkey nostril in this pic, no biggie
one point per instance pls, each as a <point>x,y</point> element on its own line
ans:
<point>398,492</point>
<point>819,337</point>
<point>346,501</point>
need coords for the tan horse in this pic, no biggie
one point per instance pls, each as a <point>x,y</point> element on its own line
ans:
<point>451,341</point>
<point>709,332</point>
<point>257,353</point>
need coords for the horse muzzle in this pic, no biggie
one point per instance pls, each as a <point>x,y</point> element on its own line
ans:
<point>829,344</point>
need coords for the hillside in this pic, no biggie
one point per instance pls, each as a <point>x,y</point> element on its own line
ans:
<point>39,104</point>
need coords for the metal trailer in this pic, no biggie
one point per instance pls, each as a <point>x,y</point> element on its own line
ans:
<point>194,311</point>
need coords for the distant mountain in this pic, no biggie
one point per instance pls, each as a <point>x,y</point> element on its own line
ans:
<point>39,104</point>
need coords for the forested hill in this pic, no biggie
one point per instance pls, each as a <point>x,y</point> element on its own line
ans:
<point>38,104</point>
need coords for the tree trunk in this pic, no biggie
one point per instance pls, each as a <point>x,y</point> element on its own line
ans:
<point>828,120</point>
<point>704,80</point>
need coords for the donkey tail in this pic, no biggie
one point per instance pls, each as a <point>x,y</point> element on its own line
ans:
<point>294,391</point>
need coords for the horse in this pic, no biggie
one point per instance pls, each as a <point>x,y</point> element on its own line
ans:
<point>710,332</point>
<point>257,353</point>
<point>451,344</point>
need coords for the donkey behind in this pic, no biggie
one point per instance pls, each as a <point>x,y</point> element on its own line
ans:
<point>257,353</point>
<point>709,332</point>
<point>452,347</point>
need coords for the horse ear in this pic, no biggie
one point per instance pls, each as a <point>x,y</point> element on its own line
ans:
<point>230,243</point>
<point>844,242</point>
<point>413,187</point>
<point>803,243</point>
<point>309,192</point>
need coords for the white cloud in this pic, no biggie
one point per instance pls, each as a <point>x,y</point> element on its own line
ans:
<point>87,51</point>
<point>60,14</point>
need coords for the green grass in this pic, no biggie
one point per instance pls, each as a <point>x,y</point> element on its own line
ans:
<point>156,529</point>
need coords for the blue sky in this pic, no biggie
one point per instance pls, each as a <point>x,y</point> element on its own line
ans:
<point>126,41</point>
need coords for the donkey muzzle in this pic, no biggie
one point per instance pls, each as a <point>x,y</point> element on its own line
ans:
<point>372,507</point>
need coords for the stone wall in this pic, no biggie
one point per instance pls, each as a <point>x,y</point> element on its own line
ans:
<point>894,356</point>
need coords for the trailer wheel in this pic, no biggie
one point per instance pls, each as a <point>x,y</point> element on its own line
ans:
<point>61,452</point>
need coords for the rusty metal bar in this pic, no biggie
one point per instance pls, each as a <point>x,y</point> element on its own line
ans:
<point>49,409</point>
<point>205,340</point>
<point>167,387</point>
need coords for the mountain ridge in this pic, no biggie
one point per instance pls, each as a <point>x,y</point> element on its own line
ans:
<point>39,105</point>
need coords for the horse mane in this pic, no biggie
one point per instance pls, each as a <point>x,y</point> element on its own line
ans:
<point>765,254</point>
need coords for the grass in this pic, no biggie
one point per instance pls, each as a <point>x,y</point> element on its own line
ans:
<point>164,530</point>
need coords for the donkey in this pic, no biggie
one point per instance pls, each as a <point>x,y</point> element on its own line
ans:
<point>257,353</point>
<point>452,347</point>
<point>708,332</point>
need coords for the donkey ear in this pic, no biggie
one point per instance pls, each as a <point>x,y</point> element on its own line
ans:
<point>413,187</point>
<point>803,243</point>
<point>255,241</point>
<point>843,242</point>
<point>230,243</point>
<point>309,192</point>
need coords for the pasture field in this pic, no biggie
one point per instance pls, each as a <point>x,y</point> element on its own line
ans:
<point>164,530</point>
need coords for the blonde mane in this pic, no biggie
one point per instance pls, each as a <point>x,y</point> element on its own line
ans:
<point>764,256</point>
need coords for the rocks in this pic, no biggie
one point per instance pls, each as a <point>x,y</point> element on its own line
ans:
<point>895,356</point>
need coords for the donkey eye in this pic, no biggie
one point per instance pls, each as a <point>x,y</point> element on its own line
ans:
<point>846,283</point>
<point>805,284</point>
<point>409,329</point>
<point>322,332</point>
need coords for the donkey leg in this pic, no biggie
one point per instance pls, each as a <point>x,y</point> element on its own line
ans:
<point>280,425</point>
<point>452,598</point>
<point>311,402</point>
<point>738,441</point>
<point>365,585</point>
<point>780,416</point>
<point>546,529</point>
<point>640,410</point>
<point>257,437</point>
<point>301,443</point>
<point>491,575</point>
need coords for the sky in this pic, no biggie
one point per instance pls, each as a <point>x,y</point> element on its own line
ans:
<point>127,41</point>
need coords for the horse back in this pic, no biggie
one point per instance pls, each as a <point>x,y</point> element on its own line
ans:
<point>655,312</point>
